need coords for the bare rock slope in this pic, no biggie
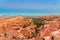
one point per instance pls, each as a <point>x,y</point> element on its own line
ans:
<point>20,28</point>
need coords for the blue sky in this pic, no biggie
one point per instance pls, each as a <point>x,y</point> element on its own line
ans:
<point>30,5</point>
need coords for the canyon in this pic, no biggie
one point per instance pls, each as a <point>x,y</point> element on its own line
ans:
<point>30,28</point>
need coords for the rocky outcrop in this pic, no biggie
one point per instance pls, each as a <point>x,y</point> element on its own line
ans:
<point>20,28</point>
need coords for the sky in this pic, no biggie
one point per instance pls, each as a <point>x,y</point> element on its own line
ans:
<point>29,7</point>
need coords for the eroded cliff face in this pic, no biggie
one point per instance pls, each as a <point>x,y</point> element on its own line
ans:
<point>16,28</point>
<point>20,28</point>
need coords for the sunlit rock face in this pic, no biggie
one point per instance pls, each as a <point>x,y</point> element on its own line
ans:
<point>20,28</point>
<point>16,28</point>
<point>49,26</point>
